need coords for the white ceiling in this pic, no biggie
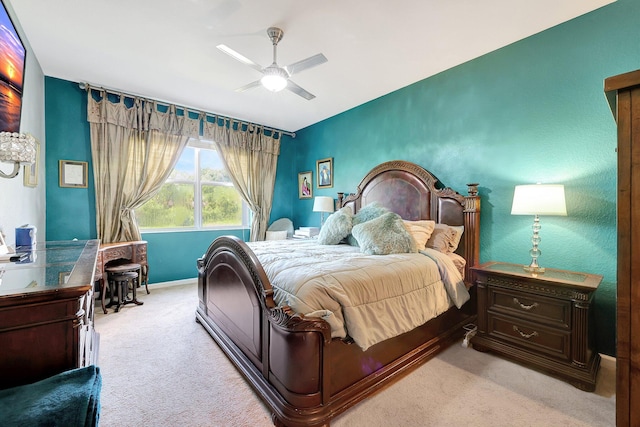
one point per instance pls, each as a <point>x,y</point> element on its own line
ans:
<point>166,49</point>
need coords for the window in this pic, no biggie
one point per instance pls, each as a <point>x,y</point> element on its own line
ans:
<point>198,194</point>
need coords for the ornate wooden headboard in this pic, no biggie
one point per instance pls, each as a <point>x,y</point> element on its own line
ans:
<point>415,194</point>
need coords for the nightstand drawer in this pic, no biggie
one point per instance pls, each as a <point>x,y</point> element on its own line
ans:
<point>535,337</point>
<point>536,308</point>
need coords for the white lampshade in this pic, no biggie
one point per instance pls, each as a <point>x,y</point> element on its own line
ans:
<point>539,199</point>
<point>323,204</point>
<point>274,79</point>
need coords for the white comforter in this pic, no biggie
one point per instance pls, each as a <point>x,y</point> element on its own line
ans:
<point>367,297</point>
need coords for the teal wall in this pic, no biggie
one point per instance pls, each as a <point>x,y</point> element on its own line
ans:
<point>71,211</point>
<point>531,112</point>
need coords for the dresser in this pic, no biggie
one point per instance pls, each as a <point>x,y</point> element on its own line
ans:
<point>46,312</point>
<point>542,321</point>
<point>623,93</point>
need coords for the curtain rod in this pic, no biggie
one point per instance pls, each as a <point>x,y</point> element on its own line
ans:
<point>87,87</point>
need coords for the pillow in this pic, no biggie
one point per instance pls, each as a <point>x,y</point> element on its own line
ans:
<point>458,261</point>
<point>442,238</point>
<point>445,238</point>
<point>384,235</point>
<point>420,231</point>
<point>367,213</point>
<point>459,229</point>
<point>337,226</point>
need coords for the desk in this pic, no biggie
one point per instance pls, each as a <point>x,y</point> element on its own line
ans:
<point>135,252</point>
<point>46,312</point>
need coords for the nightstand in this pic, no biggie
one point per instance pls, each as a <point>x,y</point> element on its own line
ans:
<point>542,321</point>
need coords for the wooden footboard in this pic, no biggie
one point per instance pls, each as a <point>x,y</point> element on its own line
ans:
<point>305,377</point>
<point>280,353</point>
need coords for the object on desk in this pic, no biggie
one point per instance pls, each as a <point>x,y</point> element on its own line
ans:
<point>26,236</point>
<point>6,253</point>
<point>4,249</point>
<point>20,256</point>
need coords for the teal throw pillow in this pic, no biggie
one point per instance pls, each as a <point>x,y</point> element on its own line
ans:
<point>337,226</point>
<point>367,213</point>
<point>384,235</point>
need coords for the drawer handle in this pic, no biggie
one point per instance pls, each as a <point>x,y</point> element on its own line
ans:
<point>523,335</point>
<point>524,307</point>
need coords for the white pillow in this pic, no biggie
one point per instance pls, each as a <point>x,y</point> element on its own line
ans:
<point>420,231</point>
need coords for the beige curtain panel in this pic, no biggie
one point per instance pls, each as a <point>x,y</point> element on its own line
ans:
<point>251,158</point>
<point>134,149</point>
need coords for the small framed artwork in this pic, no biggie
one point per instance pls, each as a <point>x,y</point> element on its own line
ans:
<point>73,174</point>
<point>324,172</point>
<point>31,171</point>
<point>304,185</point>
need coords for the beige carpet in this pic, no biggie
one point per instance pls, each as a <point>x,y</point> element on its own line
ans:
<point>161,368</point>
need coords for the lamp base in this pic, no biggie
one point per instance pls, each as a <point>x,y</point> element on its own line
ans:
<point>534,270</point>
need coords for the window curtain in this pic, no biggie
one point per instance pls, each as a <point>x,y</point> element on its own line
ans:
<point>133,149</point>
<point>251,159</point>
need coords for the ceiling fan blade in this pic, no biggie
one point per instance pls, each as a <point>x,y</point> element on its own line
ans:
<point>299,91</point>
<point>249,86</point>
<point>235,55</point>
<point>312,61</point>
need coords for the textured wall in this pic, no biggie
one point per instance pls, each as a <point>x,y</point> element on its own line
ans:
<point>531,112</point>
<point>70,211</point>
<point>19,204</point>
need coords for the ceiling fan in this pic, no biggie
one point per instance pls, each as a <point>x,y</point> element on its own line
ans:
<point>274,77</point>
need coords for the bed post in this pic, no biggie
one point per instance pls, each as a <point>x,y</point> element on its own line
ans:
<point>472,230</point>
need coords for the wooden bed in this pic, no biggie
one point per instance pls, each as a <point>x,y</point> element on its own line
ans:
<point>303,375</point>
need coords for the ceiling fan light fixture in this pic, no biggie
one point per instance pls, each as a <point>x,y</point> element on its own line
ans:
<point>274,79</point>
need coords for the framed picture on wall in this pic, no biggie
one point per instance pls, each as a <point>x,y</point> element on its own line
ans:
<point>305,184</point>
<point>12,60</point>
<point>73,174</point>
<point>324,173</point>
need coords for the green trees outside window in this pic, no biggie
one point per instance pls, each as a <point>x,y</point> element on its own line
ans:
<point>197,194</point>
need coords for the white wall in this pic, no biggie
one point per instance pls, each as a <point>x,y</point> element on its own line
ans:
<point>19,204</point>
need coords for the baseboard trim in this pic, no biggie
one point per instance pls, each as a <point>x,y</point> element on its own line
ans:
<point>173,283</point>
<point>607,361</point>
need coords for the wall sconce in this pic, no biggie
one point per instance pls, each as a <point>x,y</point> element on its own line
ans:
<point>538,199</point>
<point>322,204</point>
<point>16,148</point>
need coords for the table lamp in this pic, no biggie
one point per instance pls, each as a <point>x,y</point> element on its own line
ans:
<point>536,200</point>
<point>322,204</point>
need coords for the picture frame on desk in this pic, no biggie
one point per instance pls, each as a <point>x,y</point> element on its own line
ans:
<point>73,174</point>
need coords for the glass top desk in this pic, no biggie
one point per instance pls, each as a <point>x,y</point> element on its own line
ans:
<point>50,267</point>
<point>46,312</point>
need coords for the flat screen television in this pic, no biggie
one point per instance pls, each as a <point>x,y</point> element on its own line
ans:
<point>12,60</point>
